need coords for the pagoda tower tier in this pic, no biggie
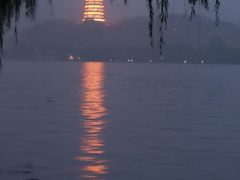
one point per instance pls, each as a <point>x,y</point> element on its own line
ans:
<point>94,11</point>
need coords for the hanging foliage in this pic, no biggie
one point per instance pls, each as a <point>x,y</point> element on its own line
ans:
<point>160,8</point>
<point>10,11</point>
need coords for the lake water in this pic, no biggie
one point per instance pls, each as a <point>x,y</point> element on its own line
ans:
<point>119,121</point>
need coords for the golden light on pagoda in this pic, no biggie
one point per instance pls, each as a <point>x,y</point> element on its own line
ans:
<point>94,11</point>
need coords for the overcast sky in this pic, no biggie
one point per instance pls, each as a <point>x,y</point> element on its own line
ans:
<point>72,9</point>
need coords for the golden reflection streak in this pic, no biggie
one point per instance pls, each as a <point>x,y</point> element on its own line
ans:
<point>93,111</point>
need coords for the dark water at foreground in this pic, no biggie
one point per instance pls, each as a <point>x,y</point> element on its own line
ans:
<point>70,121</point>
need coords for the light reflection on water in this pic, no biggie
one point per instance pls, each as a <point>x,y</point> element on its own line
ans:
<point>94,112</point>
<point>181,121</point>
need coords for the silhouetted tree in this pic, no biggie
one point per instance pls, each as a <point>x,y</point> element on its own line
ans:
<point>10,11</point>
<point>160,9</point>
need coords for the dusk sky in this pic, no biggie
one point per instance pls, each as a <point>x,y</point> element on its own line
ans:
<point>72,9</point>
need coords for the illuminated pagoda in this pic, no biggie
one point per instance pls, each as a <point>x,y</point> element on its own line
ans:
<point>94,11</point>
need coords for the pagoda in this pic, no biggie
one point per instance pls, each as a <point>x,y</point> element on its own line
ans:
<point>94,11</point>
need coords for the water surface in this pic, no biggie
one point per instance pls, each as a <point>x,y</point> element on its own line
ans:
<point>113,121</point>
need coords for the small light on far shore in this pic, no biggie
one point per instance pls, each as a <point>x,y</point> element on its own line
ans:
<point>71,58</point>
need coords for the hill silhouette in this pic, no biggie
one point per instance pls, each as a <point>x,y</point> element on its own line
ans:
<point>195,40</point>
